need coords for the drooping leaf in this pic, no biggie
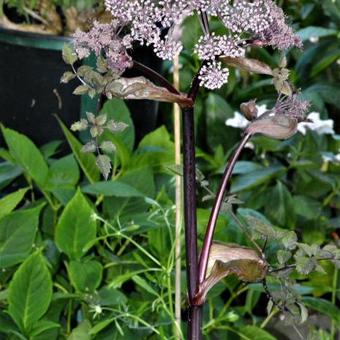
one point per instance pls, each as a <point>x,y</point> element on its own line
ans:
<point>104,164</point>
<point>228,259</point>
<point>17,234</point>
<point>30,292</point>
<point>247,64</point>
<point>142,88</point>
<point>76,227</point>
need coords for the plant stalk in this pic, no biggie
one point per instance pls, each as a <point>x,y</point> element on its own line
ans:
<point>189,174</point>
<point>204,257</point>
<point>179,205</point>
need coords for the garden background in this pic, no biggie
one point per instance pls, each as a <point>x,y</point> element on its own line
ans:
<point>82,258</point>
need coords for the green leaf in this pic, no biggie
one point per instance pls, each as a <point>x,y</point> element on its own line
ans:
<point>63,173</point>
<point>281,209</point>
<point>17,234</point>
<point>306,207</point>
<point>30,292</point>
<point>81,89</point>
<point>116,189</point>
<point>69,56</point>
<point>86,161</point>
<point>323,306</point>
<point>42,326</point>
<point>9,202</point>
<point>67,76</point>
<point>111,297</point>
<point>315,32</point>
<point>255,333</point>
<point>218,111</point>
<point>85,276</point>
<point>116,109</point>
<point>81,332</point>
<point>244,167</point>
<point>155,149</point>
<point>145,285</point>
<point>27,155</point>
<point>255,178</point>
<point>8,172</point>
<point>76,227</point>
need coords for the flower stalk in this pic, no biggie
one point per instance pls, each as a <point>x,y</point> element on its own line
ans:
<point>204,257</point>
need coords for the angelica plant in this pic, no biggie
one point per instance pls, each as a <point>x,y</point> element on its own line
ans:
<point>259,23</point>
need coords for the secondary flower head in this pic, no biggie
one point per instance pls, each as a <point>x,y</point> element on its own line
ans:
<point>281,122</point>
<point>213,76</point>
<point>103,39</point>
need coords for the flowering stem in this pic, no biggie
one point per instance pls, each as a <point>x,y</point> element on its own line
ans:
<point>190,199</point>
<point>203,262</point>
<point>189,174</point>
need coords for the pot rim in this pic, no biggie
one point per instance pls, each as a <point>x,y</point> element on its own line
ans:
<point>33,40</point>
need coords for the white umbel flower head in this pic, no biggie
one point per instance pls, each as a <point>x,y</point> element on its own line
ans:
<point>213,76</point>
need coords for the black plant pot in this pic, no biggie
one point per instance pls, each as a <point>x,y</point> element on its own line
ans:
<point>31,94</point>
<point>144,112</point>
<point>30,89</point>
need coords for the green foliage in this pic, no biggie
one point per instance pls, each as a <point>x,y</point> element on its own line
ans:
<point>73,240</point>
<point>30,293</point>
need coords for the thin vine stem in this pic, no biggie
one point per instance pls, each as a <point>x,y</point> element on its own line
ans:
<point>203,262</point>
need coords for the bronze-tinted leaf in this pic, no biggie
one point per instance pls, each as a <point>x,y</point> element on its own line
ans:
<point>278,126</point>
<point>142,88</point>
<point>247,64</point>
<point>231,259</point>
<point>104,164</point>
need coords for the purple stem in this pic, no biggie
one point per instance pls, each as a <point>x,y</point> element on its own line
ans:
<point>203,262</point>
<point>189,175</point>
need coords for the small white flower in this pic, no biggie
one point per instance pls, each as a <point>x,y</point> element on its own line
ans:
<point>314,40</point>
<point>239,121</point>
<point>331,157</point>
<point>96,310</point>
<point>322,127</point>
